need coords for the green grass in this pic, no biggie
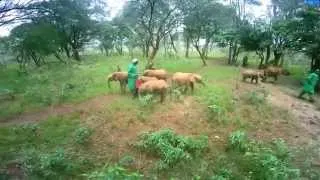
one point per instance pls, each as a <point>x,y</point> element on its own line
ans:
<point>44,150</point>
<point>59,147</point>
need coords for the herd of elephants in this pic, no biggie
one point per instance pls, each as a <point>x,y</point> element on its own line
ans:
<point>159,81</point>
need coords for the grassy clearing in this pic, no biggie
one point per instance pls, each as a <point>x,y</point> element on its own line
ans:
<point>238,123</point>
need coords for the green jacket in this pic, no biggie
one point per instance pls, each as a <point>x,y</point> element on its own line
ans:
<point>132,76</point>
<point>311,83</point>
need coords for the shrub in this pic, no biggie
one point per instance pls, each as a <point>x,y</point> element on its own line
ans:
<point>172,148</point>
<point>257,97</point>
<point>238,141</point>
<point>216,109</point>
<point>261,161</point>
<point>50,165</point>
<point>177,95</point>
<point>113,173</point>
<point>146,101</point>
<point>264,164</point>
<point>82,135</point>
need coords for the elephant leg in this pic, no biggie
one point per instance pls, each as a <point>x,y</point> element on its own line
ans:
<point>192,86</point>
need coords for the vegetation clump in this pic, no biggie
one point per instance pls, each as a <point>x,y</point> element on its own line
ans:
<point>172,148</point>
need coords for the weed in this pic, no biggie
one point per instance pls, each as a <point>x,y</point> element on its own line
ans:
<point>146,101</point>
<point>82,135</point>
<point>262,162</point>
<point>177,95</point>
<point>126,160</point>
<point>171,147</point>
<point>257,97</point>
<point>49,165</point>
<point>238,141</point>
<point>113,173</point>
<point>215,107</point>
<point>141,115</point>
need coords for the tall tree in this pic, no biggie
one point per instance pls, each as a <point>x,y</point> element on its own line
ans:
<point>305,34</point>
<point>73,19</point>
<point>203,21</point>
<point>152,20</point>
<point>14,11</point>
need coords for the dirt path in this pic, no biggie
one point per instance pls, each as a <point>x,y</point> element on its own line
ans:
<point>36,116</point>
<point>307,114</point>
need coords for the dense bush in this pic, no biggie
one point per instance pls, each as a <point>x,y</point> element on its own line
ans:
<point>82,135</point>
<point>260,161</point>
<point>172,148</point>
<point>48,165</point>
<point>238,141</point>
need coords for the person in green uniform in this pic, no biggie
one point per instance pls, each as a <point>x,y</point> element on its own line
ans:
<point>310,84</point>
<point>132,77</point>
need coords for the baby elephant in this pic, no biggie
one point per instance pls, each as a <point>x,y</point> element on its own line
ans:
<point>154,86</point>
<point>122,77</point>
<point>157,73</point>
<point>186,80</point>
<point>272,71</point>
<point>252,74</point>
<point>146,79</point>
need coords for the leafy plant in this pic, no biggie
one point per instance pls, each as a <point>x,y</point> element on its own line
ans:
<point>215,107</point>
<point>82,135</point>
<point>238,141</point>
<point>177,94</point>
<point>264,164</point>
<point>113,173</point>
<point>146,101</point>
<point>257,98</point>
<point>261,161</point>
<point>171,148</point>
<point>48,165</point>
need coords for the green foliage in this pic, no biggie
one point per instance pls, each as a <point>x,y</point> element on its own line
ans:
<point>49,166</point>
<point>146,101</point>
<point>201,23</point>
<point>113,173</point>
<point>262,162</point>
<point>177,95</point>
<point>238,141</point>
<point>126,160</point>
<point>216,107</point>
<point>82,135</point>
<point>172,148</point>
<point>256,97</point>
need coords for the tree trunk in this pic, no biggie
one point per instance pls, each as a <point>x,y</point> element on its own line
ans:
<point>66,49</point>
<point>203,59</point>
<point>187,47</point>
<point>282,60</point>
<point>268,55</point>
<point>59,58</point>
<point>230,54</point>
<point>316,63</point>
<point>202,55</point>
<point>172,44</point>
<point>261,56</point>
<point>153,54</point>
<point>312,63</point>
<point>235,53</point>
<point>277,57</point>
<point>76,54</point>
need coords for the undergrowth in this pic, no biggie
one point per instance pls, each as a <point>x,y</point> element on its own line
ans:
<point>170,147</point>
<point>113,173</point>
<point>261,161</point>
